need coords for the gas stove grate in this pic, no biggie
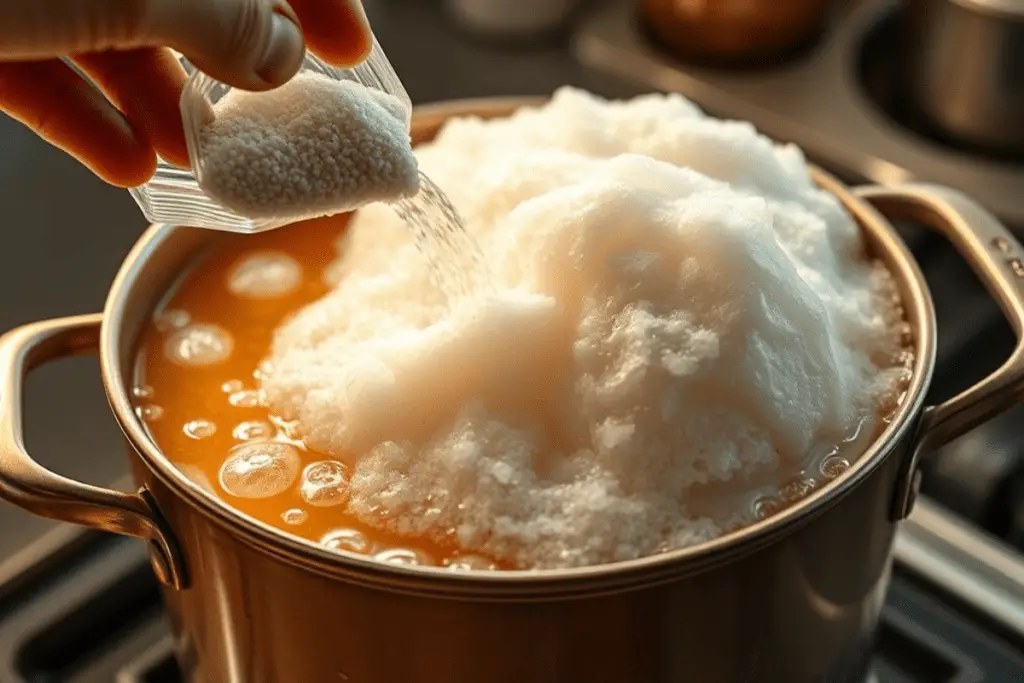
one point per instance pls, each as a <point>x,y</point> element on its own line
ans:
<point>95,617</point>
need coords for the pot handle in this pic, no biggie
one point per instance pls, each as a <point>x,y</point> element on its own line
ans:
<point>31,486</point>
<point>997,258</point>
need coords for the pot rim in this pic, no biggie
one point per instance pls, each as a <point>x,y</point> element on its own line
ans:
<point>917,303</point>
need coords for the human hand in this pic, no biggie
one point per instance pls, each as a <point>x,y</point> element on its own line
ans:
<point>122,46</point>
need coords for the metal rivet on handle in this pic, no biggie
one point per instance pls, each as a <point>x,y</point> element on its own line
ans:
<point>1002,244</point>
<point>1016,266</point>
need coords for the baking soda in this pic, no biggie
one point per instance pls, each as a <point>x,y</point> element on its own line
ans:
<point>682,334</point>
<point>456,262</point>
<point>313,146</point>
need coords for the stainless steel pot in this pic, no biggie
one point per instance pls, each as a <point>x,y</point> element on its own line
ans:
<point>966,69</point>
<point>793,599</point>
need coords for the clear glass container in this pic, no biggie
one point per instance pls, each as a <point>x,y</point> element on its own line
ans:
<point>175,196</point>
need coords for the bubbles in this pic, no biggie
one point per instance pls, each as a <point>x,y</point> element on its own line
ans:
<point>149,412</point>
<point>247,398</point>
<point>294,517</point>
<point>142,391</point>
<point>199,346</point>
<point>834,466</point>
<point>259,469</point>
<point>324,484</point>
<point>766,506</point>
<point>352,540</point>
<point>200,429</point>
<point>170,320</point>
<point>265,275</point>
<point>470,563</point>
<point>232,386</point>
<point>404,556</point>
<point>796,490</point>
<point>263,370</point>
<point>251,430</point>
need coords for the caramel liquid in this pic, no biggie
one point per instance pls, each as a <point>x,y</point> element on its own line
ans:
<point>197,414</point>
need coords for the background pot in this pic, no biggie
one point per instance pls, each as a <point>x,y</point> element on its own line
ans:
<point>966,70</point>
<point>748,32</point>
<point>794,598</point>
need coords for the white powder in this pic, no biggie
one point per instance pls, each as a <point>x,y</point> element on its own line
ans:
<point>313,146</point>
<point>683,320</point>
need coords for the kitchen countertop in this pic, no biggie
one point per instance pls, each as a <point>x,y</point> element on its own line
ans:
<point>65,232</point>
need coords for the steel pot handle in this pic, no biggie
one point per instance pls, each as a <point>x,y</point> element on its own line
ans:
<point>31,486</point>
<point>998,259</point>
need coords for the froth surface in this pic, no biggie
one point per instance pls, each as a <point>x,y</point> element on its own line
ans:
<point>681,319</point>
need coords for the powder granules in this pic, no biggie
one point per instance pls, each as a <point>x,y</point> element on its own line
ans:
<point>312,147</point>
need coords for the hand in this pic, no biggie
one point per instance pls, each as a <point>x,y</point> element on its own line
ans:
<point>122,46</point>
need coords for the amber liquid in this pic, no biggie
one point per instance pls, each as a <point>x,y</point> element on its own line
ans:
<point>172,398</point>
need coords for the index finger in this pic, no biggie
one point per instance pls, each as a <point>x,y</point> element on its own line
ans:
<point>336,30</point>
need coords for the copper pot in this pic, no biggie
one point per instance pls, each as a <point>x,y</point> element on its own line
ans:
<point>734,31</point>
<point>792,599</point>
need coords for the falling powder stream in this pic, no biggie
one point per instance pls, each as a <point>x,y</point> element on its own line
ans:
<point>456,260</point>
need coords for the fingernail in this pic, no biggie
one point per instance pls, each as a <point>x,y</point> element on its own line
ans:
<point>355,41</point>
<point>359,12</point>
<point>284,52</point>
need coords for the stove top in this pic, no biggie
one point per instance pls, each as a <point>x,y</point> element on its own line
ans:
<point>842,102</point>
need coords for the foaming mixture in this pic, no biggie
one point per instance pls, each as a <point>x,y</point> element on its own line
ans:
<point>679,334</point>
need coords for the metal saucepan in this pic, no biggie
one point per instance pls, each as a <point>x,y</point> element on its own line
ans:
<point>965,67</point>
<point>792,599</point>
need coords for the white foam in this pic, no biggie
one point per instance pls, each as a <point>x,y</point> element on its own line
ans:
<point>260,469</point>
<point>265,275</point>
<point>312,146</point>
<point>682,321</point>
<point>199,345</point>
<point>324,484</point>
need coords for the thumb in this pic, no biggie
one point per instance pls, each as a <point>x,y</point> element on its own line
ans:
<point>251,44</point>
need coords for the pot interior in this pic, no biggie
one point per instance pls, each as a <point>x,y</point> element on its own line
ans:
<point>165,254</point>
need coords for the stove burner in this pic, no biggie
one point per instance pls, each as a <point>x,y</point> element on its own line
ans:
<point>881,67</point>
